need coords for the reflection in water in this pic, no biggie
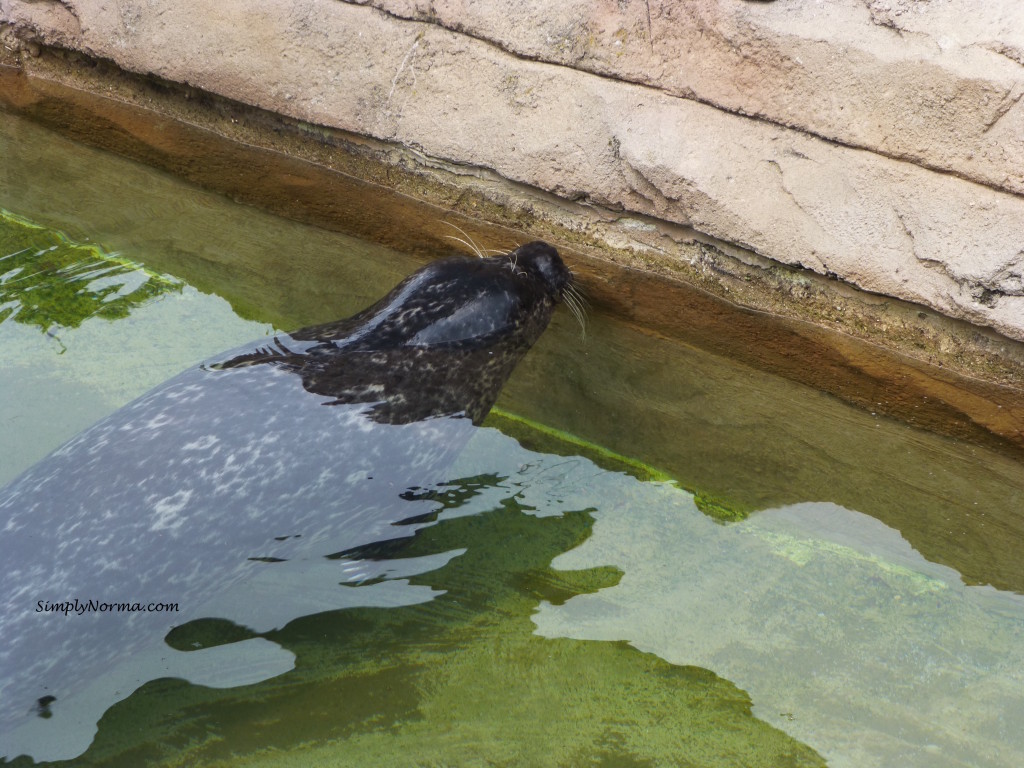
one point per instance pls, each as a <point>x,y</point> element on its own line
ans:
<point>177,498</point>
<point>755,441</point>
<point>842,634</point>
<point>649,618</point>
<point>65,365</point>
<point>51,282</point>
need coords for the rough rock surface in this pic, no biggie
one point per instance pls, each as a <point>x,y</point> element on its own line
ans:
<point>879,141</point>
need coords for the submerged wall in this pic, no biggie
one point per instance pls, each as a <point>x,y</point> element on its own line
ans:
<point>880,142</point>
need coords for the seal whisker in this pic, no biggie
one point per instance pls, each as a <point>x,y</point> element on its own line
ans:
<point>581,319</point>
<point>580,293</point>
<point>577,306</point>
<point>578,297</point>
<point>468,245</point>
<point>468,241</point>
<point>513,263</point>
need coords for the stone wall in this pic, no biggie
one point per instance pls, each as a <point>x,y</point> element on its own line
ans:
<point>877,141</point>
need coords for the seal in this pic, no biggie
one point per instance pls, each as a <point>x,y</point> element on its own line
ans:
<point>228,491</point>
<point>441,343</point>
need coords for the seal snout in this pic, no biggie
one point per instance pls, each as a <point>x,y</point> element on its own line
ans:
<point>542,261</point>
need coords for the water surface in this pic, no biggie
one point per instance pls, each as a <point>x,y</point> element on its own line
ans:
<point>821,584</point>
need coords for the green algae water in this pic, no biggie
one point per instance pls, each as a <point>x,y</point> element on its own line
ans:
<point>729,570</point>
<point>51,282</point>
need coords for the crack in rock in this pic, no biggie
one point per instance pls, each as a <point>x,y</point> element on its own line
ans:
<point>1011,52</point>
<point>638,182</point>
<point>1008,280</point>
<point>1010,100</point>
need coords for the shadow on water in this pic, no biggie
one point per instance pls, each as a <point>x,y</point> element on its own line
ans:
<point>847,599</point>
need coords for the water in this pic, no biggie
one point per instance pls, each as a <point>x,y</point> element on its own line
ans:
<point>548,607</point>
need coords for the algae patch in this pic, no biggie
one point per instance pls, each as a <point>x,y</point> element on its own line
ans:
<point>540,437</point>
<point>50,281</point>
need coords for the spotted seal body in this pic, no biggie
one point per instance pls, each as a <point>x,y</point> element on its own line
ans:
<point>224,490</point>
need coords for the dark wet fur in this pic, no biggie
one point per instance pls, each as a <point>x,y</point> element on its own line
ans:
<point>442,343</point>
